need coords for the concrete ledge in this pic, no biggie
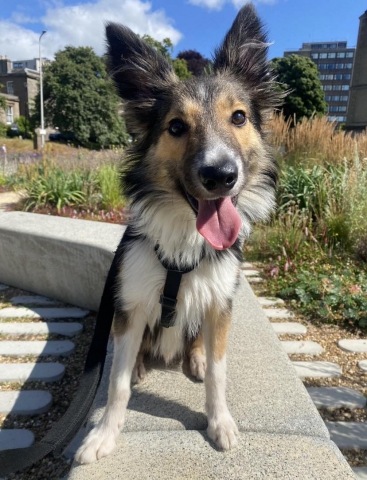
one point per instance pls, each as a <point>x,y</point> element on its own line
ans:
<point>282,434</point>
<point>189,455</point>
<point>61,258</point>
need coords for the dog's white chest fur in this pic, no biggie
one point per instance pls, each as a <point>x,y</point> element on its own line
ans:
<point>142,279</point>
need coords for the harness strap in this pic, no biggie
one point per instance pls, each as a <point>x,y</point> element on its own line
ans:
<point>168,299</point>
<point>63,432</point>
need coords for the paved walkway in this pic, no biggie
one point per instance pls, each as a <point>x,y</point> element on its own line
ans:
<point>17,322</point>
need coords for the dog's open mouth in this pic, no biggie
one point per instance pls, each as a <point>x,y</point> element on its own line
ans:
<point>218,221</point>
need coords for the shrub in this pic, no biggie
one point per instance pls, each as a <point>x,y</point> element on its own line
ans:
<point>3,130</point>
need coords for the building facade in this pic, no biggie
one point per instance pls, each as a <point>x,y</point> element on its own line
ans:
<point>357,109</point>
<point>23,84</point>
<point>32,64</point>
<point>11,111</point>
<point>334,62</point>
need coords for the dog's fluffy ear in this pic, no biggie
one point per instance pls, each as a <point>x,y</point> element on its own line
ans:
<point>243,54</point>
<point>138,70</point>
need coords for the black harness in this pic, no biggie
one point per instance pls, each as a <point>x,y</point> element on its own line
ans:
<point>168,299</point>
<point>65,429</point>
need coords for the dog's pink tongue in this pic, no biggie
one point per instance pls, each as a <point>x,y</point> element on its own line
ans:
<point>218,222</point>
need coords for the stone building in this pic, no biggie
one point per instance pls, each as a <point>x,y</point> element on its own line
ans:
<point>357,108</point>
<point>11,110</point>
<point>24,84</point>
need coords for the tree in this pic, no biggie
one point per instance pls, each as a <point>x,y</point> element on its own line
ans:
<point>196,63</point>
<point>80,99</point>
<point>165,48</point>
<point>299,76</point>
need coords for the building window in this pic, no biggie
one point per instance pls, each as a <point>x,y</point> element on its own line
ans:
<point>331,55</point>
<point>326,87</point>
<point>349,54</point>
<point>314,56</point>
<point>322,66</point>
<point>345,87</point>
<point>337,87</point>
<point>348,65</point>
<point>340,55</point>
<point>10,88</point>
<point>328,98</point>
<point>323,55</point>
<point>9,115</point>
<point>342,45</point>
<point>330,66</point>
<point>335,98</point>
<point>344,98</point>
<point>346,76</point>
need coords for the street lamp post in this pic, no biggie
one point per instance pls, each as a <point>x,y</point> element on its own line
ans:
<point>42,132</point>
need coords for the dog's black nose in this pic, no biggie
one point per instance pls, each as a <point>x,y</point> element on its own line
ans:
<point>219,178</point>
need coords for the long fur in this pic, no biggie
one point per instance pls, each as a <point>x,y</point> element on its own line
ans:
<point>162,176</point>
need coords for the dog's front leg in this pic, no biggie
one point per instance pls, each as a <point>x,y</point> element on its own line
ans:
<point>128,333</point>
<point>221,426</point>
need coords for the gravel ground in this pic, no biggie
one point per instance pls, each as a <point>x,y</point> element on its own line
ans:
<point>62,391</point>
<point>352,377</point>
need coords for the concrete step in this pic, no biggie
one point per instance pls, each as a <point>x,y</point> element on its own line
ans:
<point>356,346</point>
<point>38,348</point>
<point>28,402</point>
<point>68,329</point>
<point>33,300</point>
<point>270,301</point>
<point>317,369</point>
<point>336,397</point>
<point>302,347</point>
<point>39,312</point>
<point>278,313</point>
<point>15,438</point>
<point>31,372</point>
<point>348,434</point>
<point>291,328</point>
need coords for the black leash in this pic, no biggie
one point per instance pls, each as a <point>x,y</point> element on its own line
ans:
<point>64,431</point>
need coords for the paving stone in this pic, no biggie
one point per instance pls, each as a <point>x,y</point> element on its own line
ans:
<point>288,327</point>
<point>255,279</point>
<point>33,300</point>
<point>336,397</point>
<point>246,265</point>
<point>317,369</point>
<point>251,273</point>
<point>360,473</point>
<point>270,301</point>
<point>31,372</point>
<point>302,347</point>
<point>278,313</point>
<point>348,434</point>
<point>28,402</point>
<point>19,312</point>
<point>3,287</point>
<point>356,346</point>
<point>15,438</point>
<point>62,328</point>
<point>39,348</point>
<point>363,365</point>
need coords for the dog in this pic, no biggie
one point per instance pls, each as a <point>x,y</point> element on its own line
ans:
<point>199,172</point>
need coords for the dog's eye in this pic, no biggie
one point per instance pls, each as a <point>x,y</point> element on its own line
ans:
<point>176,127</point>
<point>239,118</point>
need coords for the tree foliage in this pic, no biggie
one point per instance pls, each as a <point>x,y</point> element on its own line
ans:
<point>196,63</point>
<point>165,48</point>
<point>2,100</point>
<point>80,99</point>
<point>299,76</point>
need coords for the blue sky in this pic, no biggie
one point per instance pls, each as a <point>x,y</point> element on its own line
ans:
<point>191,24</point>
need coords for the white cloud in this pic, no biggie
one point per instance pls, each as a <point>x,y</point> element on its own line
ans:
<point>83,25</point>
<point>218,4</point>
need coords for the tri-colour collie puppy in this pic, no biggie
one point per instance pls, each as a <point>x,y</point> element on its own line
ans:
<point>198,173</point>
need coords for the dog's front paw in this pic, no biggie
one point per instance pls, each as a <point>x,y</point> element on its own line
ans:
<point>98,443</point>
<point>198,364</point>
<point>223,431</point>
